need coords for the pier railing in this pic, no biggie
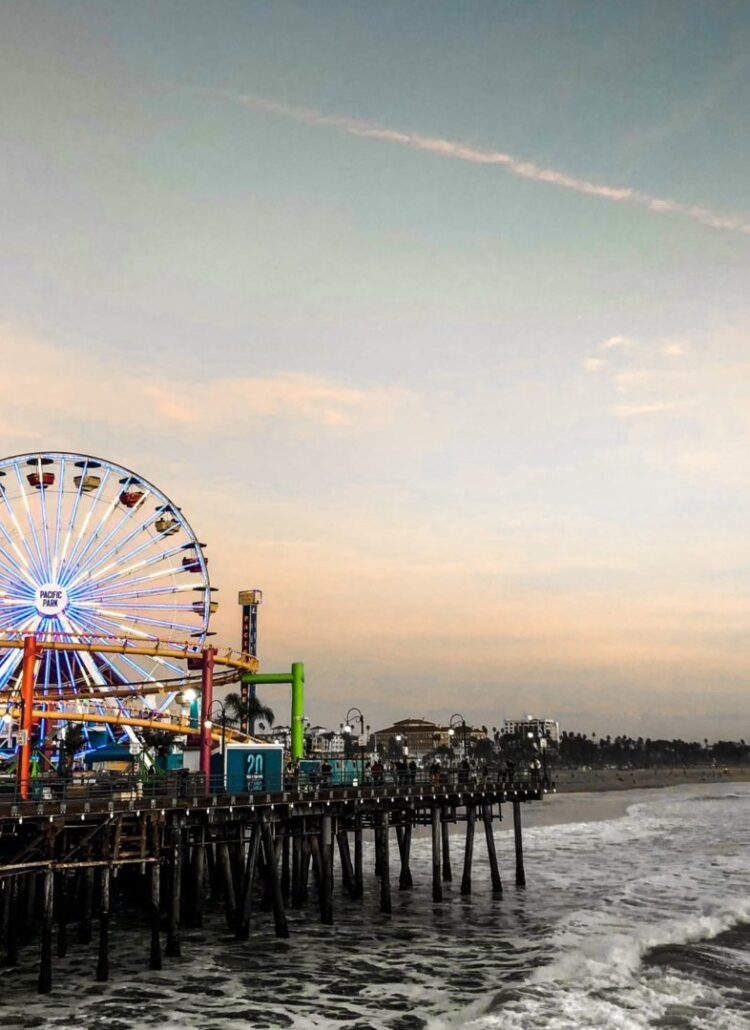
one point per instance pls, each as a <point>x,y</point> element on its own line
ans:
<point>179,787</point>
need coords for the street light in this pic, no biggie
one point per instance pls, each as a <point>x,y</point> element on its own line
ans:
<point>355,713</point>
<point>454,723</point>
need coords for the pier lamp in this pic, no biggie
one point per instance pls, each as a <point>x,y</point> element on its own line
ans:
<point>457,720</point>
<point>351,715</point>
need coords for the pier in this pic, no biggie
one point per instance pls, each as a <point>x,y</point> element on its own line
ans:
<point>172,851</point>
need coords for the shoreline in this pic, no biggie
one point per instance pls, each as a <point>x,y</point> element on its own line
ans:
<point>570,781</point>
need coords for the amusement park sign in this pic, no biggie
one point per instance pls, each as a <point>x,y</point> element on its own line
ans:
<point>51,599</point>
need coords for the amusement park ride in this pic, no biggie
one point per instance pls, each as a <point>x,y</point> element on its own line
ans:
<point>105,605</point>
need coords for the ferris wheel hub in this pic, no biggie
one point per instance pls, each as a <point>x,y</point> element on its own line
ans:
<point>51,600</point>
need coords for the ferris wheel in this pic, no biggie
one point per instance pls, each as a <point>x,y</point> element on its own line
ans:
<point>89,551</point>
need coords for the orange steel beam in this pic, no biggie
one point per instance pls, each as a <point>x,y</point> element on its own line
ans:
<point>27,715</point>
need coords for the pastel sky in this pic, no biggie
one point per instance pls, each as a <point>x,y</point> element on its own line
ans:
<point>432,316</point>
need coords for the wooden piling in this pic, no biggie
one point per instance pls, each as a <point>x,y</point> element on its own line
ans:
<point>154,961</point>
<point>378,846</point>
<point>437,887</point>
<point>286,880</point>
<point>44,983</point>
<point>298,895</point>
<point>87,899</point>
<point>272,870</point>
<point>326,856</point>
<point>497,883</point>
<point>246,899</point>
<point>198,867</point>
<point>407,845</point>
<point>225,867</point>
<point>358,867</point>
<point>471,815</point>
<point>385,868</point>
<point>347,870</point>
<point>445,834</point>
<point>173,948</point>
<point>403,837</point>
<point>62,913</point>
<point>102,965</point>
<point>518,833</point>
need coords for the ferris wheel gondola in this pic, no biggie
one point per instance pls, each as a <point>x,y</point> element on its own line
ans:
<point>88,551</point>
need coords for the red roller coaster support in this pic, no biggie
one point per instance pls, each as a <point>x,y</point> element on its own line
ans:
<point>27,705</point>
<point>207,696</point>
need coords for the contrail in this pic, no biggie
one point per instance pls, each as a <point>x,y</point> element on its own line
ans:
<point>462,152</point>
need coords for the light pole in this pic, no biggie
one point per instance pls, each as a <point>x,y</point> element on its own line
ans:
<point>454,722</point>
<point>355,713</point>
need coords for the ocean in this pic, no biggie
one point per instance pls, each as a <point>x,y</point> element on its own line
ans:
<point>636,914</point>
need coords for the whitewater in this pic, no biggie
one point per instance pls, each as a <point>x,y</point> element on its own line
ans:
<point>636,914</point>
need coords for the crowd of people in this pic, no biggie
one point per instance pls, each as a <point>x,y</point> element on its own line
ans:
<point>402,772</point>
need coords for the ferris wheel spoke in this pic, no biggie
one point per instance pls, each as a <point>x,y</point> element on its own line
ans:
<point>149,578</point>
<point>141,607</point>
<point>144,563</point>
<point>29,562</point>
<point>23,569</point>
<point>129,513</point>
<point>15,613</point>
<point>167,588</point>
<point>58,520</point>
<point>45,527</point>
<point>149,542</point>
<point>144,621</point>
<point>107,624</point>
<point>87,660</point>
<point>67,561</point>
<point>19,587</point>
<point>8,665</point>
<point>30,520</point>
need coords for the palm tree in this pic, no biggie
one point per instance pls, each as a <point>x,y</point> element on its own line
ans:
<point>157,741</point>
<point>246,711</point>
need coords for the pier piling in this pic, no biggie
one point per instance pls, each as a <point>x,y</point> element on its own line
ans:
<point>497,883</point>
<point>44,984</point>
<point>518,834</point>
<point>437,886</point>
<point>471,816</point>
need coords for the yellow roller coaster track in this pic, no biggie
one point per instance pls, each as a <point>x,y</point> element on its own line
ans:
<point>234,663</point>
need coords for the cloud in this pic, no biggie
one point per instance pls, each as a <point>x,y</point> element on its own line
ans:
<point>109,393</point>
<point>474,155</point>
<point>592,364</point>
<point>673,350</point>
<point>616,341</point>
<point>651,408</point>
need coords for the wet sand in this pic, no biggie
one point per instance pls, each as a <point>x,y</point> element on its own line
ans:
<point>573,780</point>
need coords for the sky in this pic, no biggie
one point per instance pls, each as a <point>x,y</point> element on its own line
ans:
<point>432,317</point>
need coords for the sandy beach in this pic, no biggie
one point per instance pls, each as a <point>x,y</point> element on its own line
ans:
<point>574,780</point>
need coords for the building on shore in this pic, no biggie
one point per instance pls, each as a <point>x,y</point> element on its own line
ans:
<point>416,738</point>
<point>549,729</point>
